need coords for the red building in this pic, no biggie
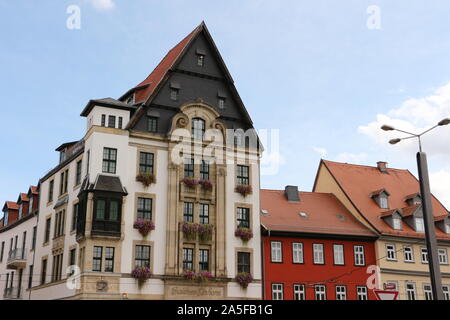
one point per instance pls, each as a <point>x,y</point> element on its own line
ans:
<point>313,248</point>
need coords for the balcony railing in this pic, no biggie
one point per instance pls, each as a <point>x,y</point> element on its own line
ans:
<point>17,258</point>
<point>12,293</point>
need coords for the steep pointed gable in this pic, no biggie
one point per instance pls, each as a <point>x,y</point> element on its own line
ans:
<point>157,83</point>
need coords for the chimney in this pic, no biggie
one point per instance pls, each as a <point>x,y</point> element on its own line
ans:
<point>382,166</point>
<point>291,193</point>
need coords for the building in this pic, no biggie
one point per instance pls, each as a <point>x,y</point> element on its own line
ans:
<point>18,244</point>
<point>313,248</point>
<point>161,192</point>
<point>388,202</point>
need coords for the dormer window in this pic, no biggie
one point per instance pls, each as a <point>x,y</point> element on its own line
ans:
<point>174,90</point>
<point>221,103</point>
<point>20,211</point>
<point>130,99</point>
<point>419,224</point>
<point>383,201</point>
<point>447,229</point>
<point>413,199</point>
<point>381,197</point>
<point>200,60</point>
<point>396,223</point>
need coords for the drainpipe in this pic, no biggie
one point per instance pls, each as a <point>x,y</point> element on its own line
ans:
<point>34,250</point>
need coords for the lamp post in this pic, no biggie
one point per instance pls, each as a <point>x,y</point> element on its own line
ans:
<point>430,234</point>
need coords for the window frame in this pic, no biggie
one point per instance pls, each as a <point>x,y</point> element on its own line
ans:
<point>146,162</point>
<point>318,293</point>
<point>243,217</point>
<point>299,291</point>
<point>201,259</point>
<point>241,264</point>
<point>242,177</point>
<point>344,293</point>
<point>445,255</point>
<point>277,291</point>
<point>335,262</point>
<point>278,251</point>
<point>188,212</point>
<point>142,208</point>
<point>152,124</point>
<point>203,214</point>
<point>361,292</point>
<point>355,254</point>
<point>140,259</point>
<point>109,163</point>
<point>109,259</point>
<point>97,261</point>
<point>322,251</point>
<point>198,132</point>
<point>392,250</point>
<point>411,260</point>
<point>299,254</point>
<point>188,253</point>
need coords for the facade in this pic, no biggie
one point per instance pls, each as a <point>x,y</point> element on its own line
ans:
<point>388,202</point>
<point>18,244</point>
<point>313,248</point>
<point>160,183</point>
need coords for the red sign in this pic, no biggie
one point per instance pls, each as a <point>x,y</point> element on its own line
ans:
<point>386,294</point>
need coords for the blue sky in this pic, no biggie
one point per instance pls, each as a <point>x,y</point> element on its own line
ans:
<point>312,69</point>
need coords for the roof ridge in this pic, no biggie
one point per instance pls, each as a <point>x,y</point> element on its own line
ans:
<point>361,165</point>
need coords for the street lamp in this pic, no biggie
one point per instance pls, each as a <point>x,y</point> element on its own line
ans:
<point>430,235</point>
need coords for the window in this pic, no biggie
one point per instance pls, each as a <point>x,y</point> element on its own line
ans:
<point>446,290</point>
<point>88,161</point>
<point>152,124</point>
<point>359,256</point>
<point>103,120</point>
<point>242,175</point>
<point>188,262</point>
<point>30,205</point>
<point>408,252</point>
<point>72,259</point>
<point>204,213</point>
<point>120,123</point>
<point>30,277</point>
<point>243,262</point>
<point>174,94</point>
<point>361,293</point>
<point>63,182</point>
<point>20,211</point>
<point>221,103</point>
<point>384,204</point>
<point>198,128</point>
<point>130,99</point>
<point>277,291</point>
<point>109,259</point>
<point>243,217</point>
<point>78,174</point>
<point>60,219</point>
<point>144,210</point>
<point>427,292</point>
<point>411,291</point>
<point>109,160</point>
<point>391,253</point>
<point>338,253</point>
<point>146,162</point>
<point>203,260</point>
<point>204,170</point>
<point>188,168</point>
<point>74,217</point>
<point>2,251</point>
<point>424,255</point>
<point>97,259</point>
<point>318,253</point>
<point>341,293</point>
<point>276,251</point>
<point>50,190</point>
<point>188,212</point>
<point>442,255</point>
<point>200,60</point>
<point>297,252</point>
<point>419,224</point>
<point>111,121</point>
<point>299,292</point>
<point>397,223</point>
<point>320,292</point>
<point>47,230</point>
<point>57,267</point>
<point>142,256</point>
<point>44,271</point>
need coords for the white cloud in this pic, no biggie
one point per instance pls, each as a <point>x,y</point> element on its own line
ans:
<point>321,151</point>
<point>440,186</point>
<point>103,4</point>
<point>415,115</point>
<point>351,157</point>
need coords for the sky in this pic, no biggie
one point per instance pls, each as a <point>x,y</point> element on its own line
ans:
<point>327,74</point>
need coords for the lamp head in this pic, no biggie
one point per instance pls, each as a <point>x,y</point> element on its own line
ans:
<point>395,141</point>
<point>444,122</point>
<point>387,128</point>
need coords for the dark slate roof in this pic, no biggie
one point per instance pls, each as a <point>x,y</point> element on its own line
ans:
<point>106,102</point>
<point>104,183</point>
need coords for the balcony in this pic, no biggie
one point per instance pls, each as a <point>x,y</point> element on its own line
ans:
<point>17,258</point>
<point>13,293</point>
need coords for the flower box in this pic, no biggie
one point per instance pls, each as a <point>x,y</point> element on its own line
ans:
<point>243,189</point>
<point>244,279</point>
<point>145,178</point>
<point>189,182</point>
<point>206,185</point>
<point>190,230</point>
<point>244,233</point>
<point>142,274</point>
<point>205,231</point>
<point>144,226</point>
<point>194,276</point>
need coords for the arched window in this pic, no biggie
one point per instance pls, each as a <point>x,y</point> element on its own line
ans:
<point>198,128</point>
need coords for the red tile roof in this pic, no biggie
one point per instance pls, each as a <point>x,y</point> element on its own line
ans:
<point>24,197</point>
<point>34,190</point>
<point>144,89</point>
<point>358,182</point>
<point>325,214</point>
<point>11,205</point>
